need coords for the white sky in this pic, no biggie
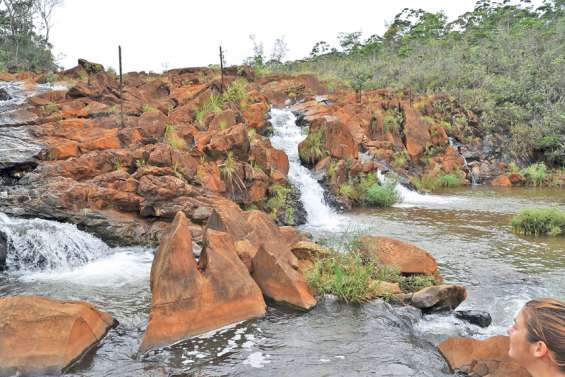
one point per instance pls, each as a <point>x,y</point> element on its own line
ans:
<point>179,33</point>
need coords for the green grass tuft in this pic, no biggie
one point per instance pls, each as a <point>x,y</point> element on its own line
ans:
<point>540,221</point>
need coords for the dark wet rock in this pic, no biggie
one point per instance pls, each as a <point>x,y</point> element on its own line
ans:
<point>298,214</point>
<point>17,148</point>
<point>3,250</point>
<point>439,298</point>
<point>4,96</point>
<point>476,317</point>
<point>19,117</point>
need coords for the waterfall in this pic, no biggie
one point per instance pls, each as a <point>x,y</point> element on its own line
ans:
<point>472,175</point>
<point>287,135</point>
<point>37,244</point>
<point>410,198</point>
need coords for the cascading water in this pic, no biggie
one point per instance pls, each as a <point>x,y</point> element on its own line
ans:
<point>472,175</point>
<point>47,245</point>
<point>287,135</point>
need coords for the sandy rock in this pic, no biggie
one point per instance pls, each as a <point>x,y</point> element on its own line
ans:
<point>39,335</point>
<point>409,258</point>
<point>501,181</point>
<point>482,357</point>
<point>190,298</point>
<point>439,297</point>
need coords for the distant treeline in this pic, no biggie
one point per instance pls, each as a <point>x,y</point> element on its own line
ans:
<point>505,62</point>
<point>24,35</point>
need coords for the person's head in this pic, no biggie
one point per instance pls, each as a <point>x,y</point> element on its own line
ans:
<point>537,337</point>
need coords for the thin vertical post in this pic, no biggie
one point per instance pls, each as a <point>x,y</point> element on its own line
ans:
<point>121,86</point>
<point>222,69</point>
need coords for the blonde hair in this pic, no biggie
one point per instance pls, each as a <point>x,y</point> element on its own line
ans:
<point>545,319</point>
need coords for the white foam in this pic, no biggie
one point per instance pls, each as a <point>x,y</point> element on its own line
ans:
<point>116,270</point>
<point>287,135</point>
<point>256,360</point>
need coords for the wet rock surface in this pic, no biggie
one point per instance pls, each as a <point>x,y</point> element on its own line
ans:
<point>476,317</point>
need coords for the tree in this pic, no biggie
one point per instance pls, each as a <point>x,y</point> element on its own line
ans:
<point>258,58</point>
<point>320,48</point>
<point>44,9</point>
<point>280,50</point>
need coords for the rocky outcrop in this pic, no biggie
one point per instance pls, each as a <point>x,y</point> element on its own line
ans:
<point>189,297</point>
<point>409,258</point>
<point>439,298</point>
<point>39,335</point>
<point>4,96</point>
<point>481,357</point>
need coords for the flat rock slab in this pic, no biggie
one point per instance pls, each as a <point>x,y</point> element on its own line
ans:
<point>17,147</point>
<point>39,335</point>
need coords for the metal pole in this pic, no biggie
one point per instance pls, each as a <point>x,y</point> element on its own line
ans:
<point>121,86</point>
<point>222,69</point>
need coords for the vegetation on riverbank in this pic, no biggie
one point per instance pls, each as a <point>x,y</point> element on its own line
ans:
<point>502,62</point>
<point>354,277</point>
<point>540,221</point>
<point>365,190</point>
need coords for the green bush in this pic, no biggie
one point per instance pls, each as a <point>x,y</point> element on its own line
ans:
<point>313,147</point>
<point>344,275</point>
<point>400,159</point>
<point>535,174</point>
<point>414,283</point>
<point>148,109</point>
<point>449,180</point>
<point>278,199</point>
<point>539,221</point>
<point>170,137</point>
<point>236,91</point>
<point>213,105</point>
<point>381,196</point>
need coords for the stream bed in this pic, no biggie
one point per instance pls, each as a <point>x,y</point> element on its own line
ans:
<point>467,230</point>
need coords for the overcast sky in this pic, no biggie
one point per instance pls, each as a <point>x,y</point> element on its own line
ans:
<point>175,33</point>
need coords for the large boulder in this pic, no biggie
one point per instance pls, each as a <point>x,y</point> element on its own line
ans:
<point>409,258</point>
<point>417,132</point>
<point>39,335</point>
<point>439,298</point>
<point>279,278</point>
<point>189,297</point>
<point>481,357</point>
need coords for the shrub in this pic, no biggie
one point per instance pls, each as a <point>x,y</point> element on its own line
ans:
<point>392,120</point>
<point>236,91</point>
<point>348,190</point>
<point>538,221</point>
<point>278,198</point>
<point>50,108</point>
<point>148,109</point>
<point>343,275</point>
<point>381,195</point>
<point>535,174</point>
<point>170,137</point>
<point>400,159</point>
<point>449,180</point>
<point>414,283</point>
<point>214,104</point>
<point>313,147</point>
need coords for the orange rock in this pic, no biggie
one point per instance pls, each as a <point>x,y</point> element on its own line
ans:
<point>102,139</point>
<point>60,149</point>
<point>439,297</point>
<point>189,298</point>
<point>490,355</point>
<point>39,335</point>
<point>409,258</point>
<point>416,130</point>
<point>516,178</point>
<point>278,279</point>
<point>233,139</point>
<point>501,181</point>
<point>278,160</point>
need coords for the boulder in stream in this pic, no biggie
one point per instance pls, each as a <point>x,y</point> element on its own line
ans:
<point>190,298</point>
<point>4,96</point>
<point>39,335</point>
<point>481,357</point>
<point>409,258</point>
<point>439,298</point>
<point>476,317</point>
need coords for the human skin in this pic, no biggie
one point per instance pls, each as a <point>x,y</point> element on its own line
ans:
<point>534,357</point>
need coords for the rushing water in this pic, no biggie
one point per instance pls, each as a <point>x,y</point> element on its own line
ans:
<point>466,230</point>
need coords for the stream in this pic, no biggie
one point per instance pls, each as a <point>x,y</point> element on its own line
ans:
<point>467,230</point>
